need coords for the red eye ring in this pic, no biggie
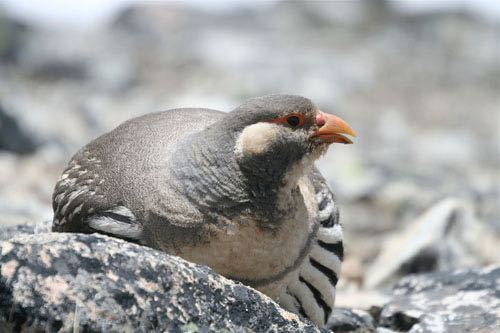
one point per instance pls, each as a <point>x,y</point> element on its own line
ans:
<point>292,120</point>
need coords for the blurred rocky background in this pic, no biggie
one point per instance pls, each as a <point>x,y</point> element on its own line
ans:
<point>419,191</point>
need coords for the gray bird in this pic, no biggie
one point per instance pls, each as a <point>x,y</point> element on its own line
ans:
<point>235,191</point>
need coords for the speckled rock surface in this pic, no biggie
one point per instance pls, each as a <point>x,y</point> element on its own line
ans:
<point>56,282</point>
<point>458,301</point>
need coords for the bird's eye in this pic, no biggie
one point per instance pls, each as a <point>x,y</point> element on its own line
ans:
<point>294,120</point>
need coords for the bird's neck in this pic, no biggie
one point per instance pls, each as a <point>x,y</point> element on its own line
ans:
<point>205,170</point>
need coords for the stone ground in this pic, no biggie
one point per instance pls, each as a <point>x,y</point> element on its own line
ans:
<point>92,283</point>
<point>417,190</point>
<point>61,282</point>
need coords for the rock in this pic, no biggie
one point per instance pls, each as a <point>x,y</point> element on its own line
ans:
<point>6,233</point>
<point>13,137</point>
<point>456,301</point>
<point>349,320</point>
<point>62,282</point>
<point>26,186</point>
<point>53,70</point>
<point>12,38</point>
<point>442,238</point>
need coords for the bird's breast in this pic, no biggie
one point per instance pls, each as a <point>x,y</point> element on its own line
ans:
<point>242,250</point>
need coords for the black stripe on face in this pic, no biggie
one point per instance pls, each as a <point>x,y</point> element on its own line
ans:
<point>335,248</point>
<point>330,274</point>
<point>319,299</point>
<point>302,312</point>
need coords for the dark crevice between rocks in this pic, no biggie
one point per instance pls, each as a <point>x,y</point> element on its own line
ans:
<point>56,326</point>
<point>21,319</point>
<point>18,319</point>
<point>6,307</point>
<point>400,321</point>
<point>425,261</point>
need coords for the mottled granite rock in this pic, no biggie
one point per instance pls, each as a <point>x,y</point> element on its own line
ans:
<point>457,301</point>
<point>58,282</point>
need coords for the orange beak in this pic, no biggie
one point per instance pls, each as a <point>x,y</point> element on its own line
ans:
<point>332,128</point>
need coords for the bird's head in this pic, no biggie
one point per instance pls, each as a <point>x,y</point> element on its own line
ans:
<point>276,132</point>
<point>254,155</point>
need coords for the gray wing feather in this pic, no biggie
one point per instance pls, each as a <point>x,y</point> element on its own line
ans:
<point>80,206</point>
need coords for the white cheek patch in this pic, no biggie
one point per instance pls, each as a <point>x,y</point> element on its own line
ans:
<point>256,139</point>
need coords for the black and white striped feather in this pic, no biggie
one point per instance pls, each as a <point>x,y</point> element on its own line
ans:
<point>310,289</point>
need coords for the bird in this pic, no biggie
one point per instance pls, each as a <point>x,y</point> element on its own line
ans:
<point>236,191</point>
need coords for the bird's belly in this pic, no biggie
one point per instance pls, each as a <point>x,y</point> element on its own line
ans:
<point>246,252</point>
<point>243,251</point>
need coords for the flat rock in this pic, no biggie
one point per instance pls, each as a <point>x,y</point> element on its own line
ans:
<point>456,301</point>
<point>62,282</point>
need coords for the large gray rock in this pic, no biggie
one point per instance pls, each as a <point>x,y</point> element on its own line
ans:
<point>59,282</point>
<point>442,238</point>
<point>457,301</point>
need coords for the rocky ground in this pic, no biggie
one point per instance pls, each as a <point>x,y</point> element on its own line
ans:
<point>62,282</point>
<point>93,283</point>
<point>419,189</point>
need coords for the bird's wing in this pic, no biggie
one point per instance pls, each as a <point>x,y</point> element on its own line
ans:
<point>80,205</point>
<point>106,186</point>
